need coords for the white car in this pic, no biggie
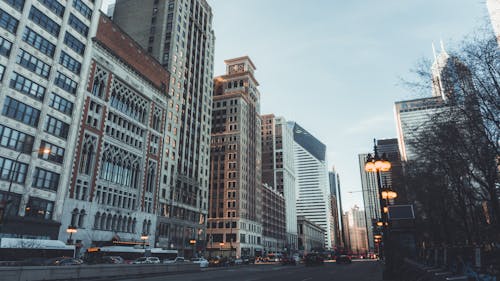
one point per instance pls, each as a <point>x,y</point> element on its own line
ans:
<point>147,260</point>
<point>176,260</point>
<point>203,262</point>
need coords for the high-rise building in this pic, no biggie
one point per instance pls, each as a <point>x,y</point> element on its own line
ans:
<point>235,209</point>
<point>44,66</point>
<point>273,220</point>
<point>179,34</point>
<point>311,174</point>
<point>113,189</point>
<point>357,231</point>
<point>494,11</point>
<point>336,208</point>
<point>278,169</point>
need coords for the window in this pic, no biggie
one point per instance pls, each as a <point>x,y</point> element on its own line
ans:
<point>56,153</point>
<point>5,47</point>
<point>17,4</point>
<point>37,41</point>
<point>70,63</point>
<point>78,25</point>
<point>56,127</point>
<point>26,86</point>
<point>9,169</point>
<point>20,112</point>
<point>13,207</point>
<point>2,71</point>
<point>61,104</point>
<point>65,83</point>
<point>44,21</point>
<point>8,22</point>
<point>74,43</point>
<point>15,140</point>
<point>82,8</point>
<point>32,63</point>
<point>44,179</point>
<point>54,6</point>
<point>39,208</point>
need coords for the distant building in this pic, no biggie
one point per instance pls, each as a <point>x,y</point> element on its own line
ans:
<point>235,206</point>
<point>336,208</point>
<point>494,11</point>
<point>357,231</point>
<point>273,220</point>
<point>311,174</point>
<point>311,236</point>
<point>278,169</point>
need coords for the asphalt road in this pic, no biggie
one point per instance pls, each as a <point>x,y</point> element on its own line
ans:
<point>364,270</point>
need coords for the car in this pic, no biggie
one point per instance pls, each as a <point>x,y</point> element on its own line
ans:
<point>112,260</point>
<point>286,260</point>
<point>238,261</point>
<point>343,259</point>
<point>64,261</point>
<point>176,260</point>
<point>147,260</point>
<point>202,261</point>
<point>313,259</point>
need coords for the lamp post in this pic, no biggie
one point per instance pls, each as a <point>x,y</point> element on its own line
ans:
<point>193,244</point>
<point>71,229</point>
<point>144,238</point>
<point>6,201</point>
<point>221,244</point>
<point>377,164</point>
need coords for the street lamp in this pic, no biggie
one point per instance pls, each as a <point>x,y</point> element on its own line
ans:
<point>6,201</point>
<point>71,229</point>
<point>221,244</point>
<point>193,244</point>
<point>144,237</point>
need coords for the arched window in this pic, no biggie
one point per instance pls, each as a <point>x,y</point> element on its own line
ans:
<point>148,230</point>
<point>129,225</point>
<point>134,223</point>
<point>81,218</point>
<point>102,226</point>
<point>74,217</point>
<point>113,225</point>
<point>119,224</point>
<point>144,226</point>
<point>98,87</point>
<point>109,221</point>
<point>97,220</point>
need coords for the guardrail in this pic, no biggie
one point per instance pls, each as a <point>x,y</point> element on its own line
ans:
<point>52,273</point>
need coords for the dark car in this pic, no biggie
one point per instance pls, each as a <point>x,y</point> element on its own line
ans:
<point>343,259</point>
<point>313,259</point>
<point>286,260</point>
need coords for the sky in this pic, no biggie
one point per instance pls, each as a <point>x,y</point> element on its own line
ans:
<point>336,67</point>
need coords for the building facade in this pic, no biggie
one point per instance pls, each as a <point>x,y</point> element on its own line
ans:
<point>494,11</point>
<point>114,188</point>
<point>311,236</point>
<point>179,34</point>
<point>235,209</point>
<point>311,174</point>
<point>278,169</point>
<point>336,208</point>
<point>44,65</point>
<point>357,231</point>
<point>273,220</point>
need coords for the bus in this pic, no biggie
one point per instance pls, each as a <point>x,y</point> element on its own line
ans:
<point>128,253</point>
<point>14,250</point>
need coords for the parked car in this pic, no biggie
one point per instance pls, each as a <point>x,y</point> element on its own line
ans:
<point>313,259</point>
<point>238,261</point>
<point>202,261</point>
<point>176,260</point>
<point>112,260</point>
<point>64,261</point>
<point>147,260</point>
<point>343,259</point>
<point>286,260</point>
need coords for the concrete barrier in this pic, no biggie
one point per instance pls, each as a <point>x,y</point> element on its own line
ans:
<point>46,273</point>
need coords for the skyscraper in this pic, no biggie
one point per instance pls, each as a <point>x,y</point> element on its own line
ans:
<point>357,231</point>
<point>235,212</point>
<point>336,208</point>
<point>494,11</point>
<point>179,34</point>
<point>44,65</point>
<point>278,168</point>
<point>311,174</point>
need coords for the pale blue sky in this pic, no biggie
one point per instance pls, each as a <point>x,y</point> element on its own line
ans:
<point>335,66</point>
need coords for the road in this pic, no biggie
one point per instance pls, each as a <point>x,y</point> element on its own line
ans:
<point>364,270</point>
